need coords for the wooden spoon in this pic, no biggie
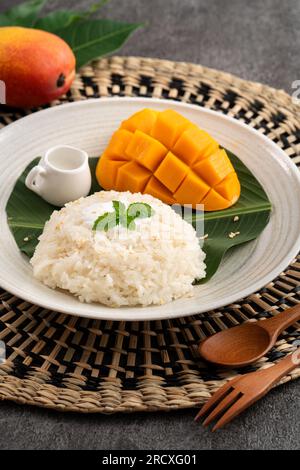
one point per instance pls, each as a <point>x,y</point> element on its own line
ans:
<point>244,344</point>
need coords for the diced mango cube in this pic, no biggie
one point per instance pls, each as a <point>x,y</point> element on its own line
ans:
<point>214,168</point>
<point>171,172</point>
<point>146,150</point>
<point>229,188</point>
<point>191,189</point>
<point>169,126</point>
<point>157,189</point>
<point>117,145</point>
<point>194,144</point>
<point>143,120</point>
<point>132,176</point>
<point>214,201</point>
<point>106,171</point>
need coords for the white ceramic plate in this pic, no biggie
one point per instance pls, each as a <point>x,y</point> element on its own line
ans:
<point>89,125</point>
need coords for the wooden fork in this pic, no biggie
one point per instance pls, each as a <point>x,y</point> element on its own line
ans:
<point>240,392</point>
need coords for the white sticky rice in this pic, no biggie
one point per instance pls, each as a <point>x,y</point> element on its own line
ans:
<point>153,264</point>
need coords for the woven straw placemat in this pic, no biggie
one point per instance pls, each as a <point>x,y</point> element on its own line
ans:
<point>74,364</point>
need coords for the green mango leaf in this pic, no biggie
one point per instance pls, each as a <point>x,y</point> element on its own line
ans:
<point>96,6</point>
<point>88,38</point>
<point>24,14</point>
<point>91,39</point>
<point>27,214</point>
<point>58,20</point>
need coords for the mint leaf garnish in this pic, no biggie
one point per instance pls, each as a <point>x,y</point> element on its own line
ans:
<point>140,210</point>
<point>121,216</point>
<point>105,222</point>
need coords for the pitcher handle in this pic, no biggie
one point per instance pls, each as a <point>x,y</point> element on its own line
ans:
<point>30,181</point>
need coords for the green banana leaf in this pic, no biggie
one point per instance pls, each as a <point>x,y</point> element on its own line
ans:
<point>27,214</point>
<point>248,217</point>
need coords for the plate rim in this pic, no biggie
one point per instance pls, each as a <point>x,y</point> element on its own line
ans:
<point>140,313</point>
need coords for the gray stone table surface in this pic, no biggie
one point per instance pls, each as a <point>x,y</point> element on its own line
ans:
<point>257,40</point>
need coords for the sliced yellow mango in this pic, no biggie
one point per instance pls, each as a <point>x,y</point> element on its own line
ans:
<point>166,155</point>
<point>117,145</point>
<point>107,170</point>
<point>143,120</point>
<point>132,177</point>
<point>169,126</point>
<point>171,171</point>
<point>214,168</point>
<point>229,187</point>
<point>191,186</point>
<point>194,144</point>
<point>213,200</point>
<point>156,189</point>
<point>146,150</point>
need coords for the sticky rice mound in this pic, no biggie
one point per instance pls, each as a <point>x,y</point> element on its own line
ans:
<point>153,263</point>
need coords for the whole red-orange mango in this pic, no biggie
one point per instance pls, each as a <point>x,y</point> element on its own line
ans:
<point>36,66</point>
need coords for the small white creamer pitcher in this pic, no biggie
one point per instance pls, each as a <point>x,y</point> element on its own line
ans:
<point>62,175</point>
